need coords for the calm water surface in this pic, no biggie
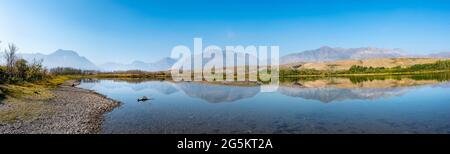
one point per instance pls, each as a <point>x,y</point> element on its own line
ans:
<point>335,105</point>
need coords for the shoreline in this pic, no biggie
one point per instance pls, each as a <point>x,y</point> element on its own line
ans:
<point>73,110</point>
<point>369,74</point>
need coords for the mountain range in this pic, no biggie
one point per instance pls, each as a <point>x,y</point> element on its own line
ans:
<point>61,58</point>
<point>161,65</point>
<point>68,58</point>
<point>326,53</point>
<point>439,55</point>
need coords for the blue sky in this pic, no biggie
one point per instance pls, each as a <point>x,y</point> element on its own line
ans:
<point>127,30</point>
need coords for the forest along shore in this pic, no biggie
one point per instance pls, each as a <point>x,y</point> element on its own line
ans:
<point>72,110</point>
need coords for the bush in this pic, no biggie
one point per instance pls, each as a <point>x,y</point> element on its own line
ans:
<point>36,71</point>
<point>21,69</point>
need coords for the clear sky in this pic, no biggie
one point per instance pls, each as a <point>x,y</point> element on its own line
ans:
<point>127,30</point>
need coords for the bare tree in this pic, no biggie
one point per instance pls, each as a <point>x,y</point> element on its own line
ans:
<point>11,58</point>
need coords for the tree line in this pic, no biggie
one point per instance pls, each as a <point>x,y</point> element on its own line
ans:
<point>17,69</point>
<point>71,71</point>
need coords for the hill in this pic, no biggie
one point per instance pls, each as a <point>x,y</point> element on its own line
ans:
<point>325,54</point>
<point>61,58</point>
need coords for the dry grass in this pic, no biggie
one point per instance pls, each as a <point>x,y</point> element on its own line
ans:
<point>26,101</point>
<point>18,109</point>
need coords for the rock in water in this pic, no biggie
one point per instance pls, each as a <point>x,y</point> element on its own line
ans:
<point>143,99</point>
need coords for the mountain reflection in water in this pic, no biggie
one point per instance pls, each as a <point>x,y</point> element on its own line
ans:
<point>217,94</point>
<point>323,90</point>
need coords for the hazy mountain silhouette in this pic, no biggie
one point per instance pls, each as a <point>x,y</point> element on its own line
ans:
<point>236,56</point>
<point>330,94</point>
<point>69,58</point>
<point>161,65</point>
<point>61,58</point>
<point>332,54</point>
<point>217,93</point>
<point>440,55</point>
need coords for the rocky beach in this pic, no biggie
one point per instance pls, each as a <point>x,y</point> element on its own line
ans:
<point>74,111</point>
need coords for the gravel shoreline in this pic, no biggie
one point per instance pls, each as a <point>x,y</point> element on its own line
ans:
<point>76,111</point>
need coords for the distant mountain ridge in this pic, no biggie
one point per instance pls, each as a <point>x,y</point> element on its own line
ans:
<point>69,58</point>
<point>439,55</point>
<point>161,65</point>
<point>326,53</point>
<point>61,58</point>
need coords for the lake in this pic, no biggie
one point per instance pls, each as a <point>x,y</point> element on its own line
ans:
<point>300,106</point>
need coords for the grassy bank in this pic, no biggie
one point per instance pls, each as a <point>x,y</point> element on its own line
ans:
<point>25,100</point>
